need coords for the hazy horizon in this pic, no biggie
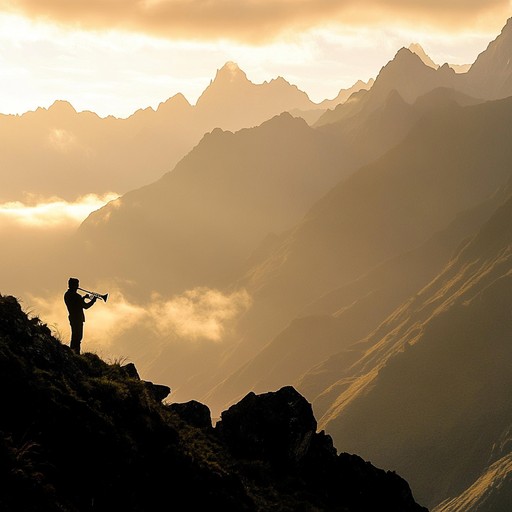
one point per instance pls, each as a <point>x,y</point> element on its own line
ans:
<point>114,61</point>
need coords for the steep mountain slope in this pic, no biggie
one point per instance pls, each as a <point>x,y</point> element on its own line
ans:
<point>58,151</point>
<point>491,74</point>
<point>412,74</point>
<point>492,492</point>
<point>451,161</point>
<point>77,434</point>
<point>406,74</point>
<point>343,316</point>
<point>436,374</point>
<point>198,224</point>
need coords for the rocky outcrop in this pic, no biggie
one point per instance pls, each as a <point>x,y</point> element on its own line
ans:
<point>194,413</point>
<point>159,391</point>
<point>276,426</point>
<point>278,430</point>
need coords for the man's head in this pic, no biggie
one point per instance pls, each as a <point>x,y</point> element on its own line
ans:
<point>73,283</point>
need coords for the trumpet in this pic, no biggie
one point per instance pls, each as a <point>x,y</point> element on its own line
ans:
<point>94,294</point>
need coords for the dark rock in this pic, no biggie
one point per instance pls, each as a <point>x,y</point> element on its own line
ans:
<point>158,391</point>
<point>275,434</point>
<point>275,426</point>
<point>131,371</point>
<point>194,413</point>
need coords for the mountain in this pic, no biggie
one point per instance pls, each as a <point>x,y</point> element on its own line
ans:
<point>450,162</point>
<point>311,116</point>
<point>58,151</point>
<point>331,325</point>
<point>412,74</point>
<point>345,94</point>
<point>491,74</point>
<point>406,74</point>
<point>257,181</point>
<point>420,52</point>
<point>152,236</point>
<point>443,360</point>
<point>200,222</point>
<point>239,103</point>
<point>78,434</point>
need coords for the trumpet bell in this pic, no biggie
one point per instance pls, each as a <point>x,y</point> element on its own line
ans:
<point>90,295</point>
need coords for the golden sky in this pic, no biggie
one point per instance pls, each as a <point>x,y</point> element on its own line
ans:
<point>114,56</point>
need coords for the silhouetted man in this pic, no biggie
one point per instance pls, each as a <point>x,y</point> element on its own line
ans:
<point>76,304</point>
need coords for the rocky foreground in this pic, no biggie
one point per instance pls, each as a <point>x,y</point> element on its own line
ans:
<point>78,434</point>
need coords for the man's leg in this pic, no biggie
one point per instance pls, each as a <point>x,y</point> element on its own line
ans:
<point>77,332</point>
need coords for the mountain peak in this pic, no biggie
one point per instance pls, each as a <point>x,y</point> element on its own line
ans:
<point>417,49</point>
<point>178,101</point>
<point>230,73</point>
<point>406,55</point>
<point>61,107</point>
<point>404,60</point>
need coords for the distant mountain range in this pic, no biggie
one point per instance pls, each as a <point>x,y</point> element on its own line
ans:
<point>60,152</point>
<point>411,74</point>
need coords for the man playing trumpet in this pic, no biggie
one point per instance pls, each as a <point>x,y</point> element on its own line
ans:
<point>76,304</point>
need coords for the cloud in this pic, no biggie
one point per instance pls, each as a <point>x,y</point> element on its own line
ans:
<point>198,313</point>
<point>255,20</point>
<point>201,314</point>
<point>51,212</point>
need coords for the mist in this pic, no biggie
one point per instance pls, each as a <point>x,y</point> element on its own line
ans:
<point>36,238</point>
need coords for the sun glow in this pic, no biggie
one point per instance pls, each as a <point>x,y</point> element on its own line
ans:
<point>112,72</point>
<point>53,212</point>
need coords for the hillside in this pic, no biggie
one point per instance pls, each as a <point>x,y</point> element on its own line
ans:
<point>199,223</point>
<point>344,315</point>
<point>452,160</point>
<point>443,360</point>
<point>79,434</point>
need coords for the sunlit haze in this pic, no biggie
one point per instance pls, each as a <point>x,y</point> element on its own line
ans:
<point>53,212</point>
<point>116,69</point>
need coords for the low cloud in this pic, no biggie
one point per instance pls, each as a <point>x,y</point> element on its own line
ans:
<point>201,314</point>
<point>255,20</point>
<point>50,213</point>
